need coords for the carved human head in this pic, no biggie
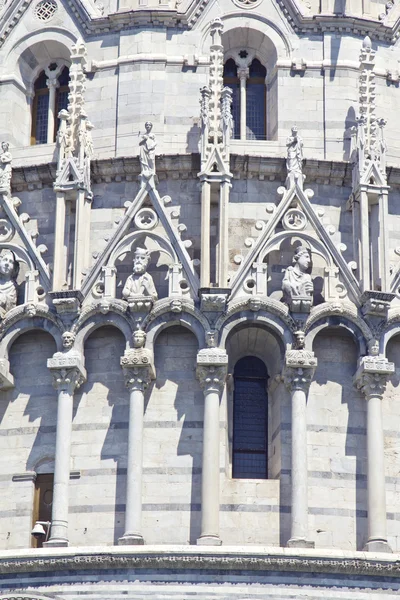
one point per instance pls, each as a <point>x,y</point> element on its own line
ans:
<point>300,339</point>
<point>373,347</point>
<point>9,265</point>
<point>138,338</point>
<point>68,339</point>
<point>302,257</point>
<point>5,146</point>
<point>148,126</point>
<point>140,261</point>
<point>294,130</point>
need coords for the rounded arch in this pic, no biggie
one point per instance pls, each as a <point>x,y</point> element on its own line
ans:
<point>93,322</point>
<point>335,321</point>
<point>25,325</point>
<point>46,46</point>
<point>316,245</point>
<point>262,317</point>
<point>259,33</point>
<point>255,339</point>
<point>388,334</point>
<point>170,319</point>
<point>20,254</point>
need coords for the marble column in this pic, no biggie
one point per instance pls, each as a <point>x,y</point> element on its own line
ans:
<point>371,378</point>
<point>52,84</point>
<point>138,371</point>
<point>211,372</point>
<point>243,74</point>
<point>68,374</point>
<point>298,373</point>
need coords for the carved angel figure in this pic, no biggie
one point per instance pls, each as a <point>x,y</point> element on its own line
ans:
<point>296,281</point>
<point>147,154</point>
<point>140,283</point>
<point>9,268</point>
<point>5,167</point>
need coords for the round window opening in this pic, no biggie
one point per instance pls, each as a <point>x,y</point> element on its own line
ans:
<point>45,10</point>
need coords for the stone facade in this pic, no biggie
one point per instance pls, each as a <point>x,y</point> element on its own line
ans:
<point>152,239</point>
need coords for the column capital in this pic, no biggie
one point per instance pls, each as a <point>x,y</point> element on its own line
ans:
<point>52,83</point>
<point>243,73</point>
<point>212,369</point>
<point>299,369</point>
<point>138,368</point>
<point>67,370</point>
<point>372,375</point>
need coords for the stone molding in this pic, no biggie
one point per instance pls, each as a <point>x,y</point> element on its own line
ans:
<point>228,559</point>
<point>299,369</point>
<point>68,371</point>
<point>372,375</point>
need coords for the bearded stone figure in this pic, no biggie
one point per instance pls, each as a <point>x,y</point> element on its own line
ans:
<point>9,268</point>
<point>140,283</point>
<point>297,283</point>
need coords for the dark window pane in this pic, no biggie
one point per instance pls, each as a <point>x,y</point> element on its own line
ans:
<point>230,68</point>
<point>42,111</point>
<point>256,69</point>
<point>250,413</point>
<point>41,82</point>
<point>63,78</point>
<point>255,111</point>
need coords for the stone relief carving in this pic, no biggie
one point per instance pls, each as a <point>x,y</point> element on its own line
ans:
<point>5,168</point>
<point>297,285</point>
<point>147,153</point>
<point>294,159</point>
<point>140,285</point>
<point>9,268</point>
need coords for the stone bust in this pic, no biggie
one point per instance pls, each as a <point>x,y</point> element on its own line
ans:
<point>296,281</point>
<point>140,283</point>
<point>9,268</point>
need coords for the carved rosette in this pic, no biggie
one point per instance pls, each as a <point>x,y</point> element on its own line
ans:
<point>372,376</point>
<point>299,369</point>
<point>212,369</point>
<point>138,368</point>
<point>68,372</point>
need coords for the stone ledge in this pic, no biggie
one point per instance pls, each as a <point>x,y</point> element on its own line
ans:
<point>225,558</point>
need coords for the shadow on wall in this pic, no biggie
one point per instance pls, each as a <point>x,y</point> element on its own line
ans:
<point>174,439</point>
<point>337,413</point>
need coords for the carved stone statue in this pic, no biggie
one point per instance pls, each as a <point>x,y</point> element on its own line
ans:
<point>294,160</point>
<point>5,167</point>
<point>147,154</point>
<point>140,283</point>
<point>9,268</point>
<point>297,285</point>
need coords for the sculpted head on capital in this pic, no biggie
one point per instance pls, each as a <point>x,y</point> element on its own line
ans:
<point>138,338</point>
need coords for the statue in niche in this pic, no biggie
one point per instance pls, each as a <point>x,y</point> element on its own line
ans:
<point>294,159</point>
<point>297,285</point>
<point>140,283</point>
<point>147,152</point>
<point>5,167</point>
<point>9,268</point>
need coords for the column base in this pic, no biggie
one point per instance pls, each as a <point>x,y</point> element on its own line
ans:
<point>300,543</point>
<point>56,543</point>
<point>377,546</point>
<point>209,540</point>
<point>131,539</point>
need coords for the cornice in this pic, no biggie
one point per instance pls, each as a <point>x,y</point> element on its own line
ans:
<point>184,558</point>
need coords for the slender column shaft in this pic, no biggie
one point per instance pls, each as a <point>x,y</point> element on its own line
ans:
<point>377,529</point>
<point>59,270</point>
<point>223,259</point>
<point>299,466</point>
<point>205,234</point>
<point>52,85</point>
<point>66,380</point>
<point>210,469</point>
<point>133,511</point>
<point>243,75</point>
<point>365,275</point>
<point>80,239</point>
<point>371,378</point>
<point>212,378</point>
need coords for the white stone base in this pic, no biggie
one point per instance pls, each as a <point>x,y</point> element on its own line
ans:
<point>377,546</point>
<point>209,540</point>
<point>300,543</point>
<point>56,543</point>
<point>134,539</point>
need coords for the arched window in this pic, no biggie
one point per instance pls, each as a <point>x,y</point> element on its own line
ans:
<point>250,420</point>
<point>50,96</point>
<point>247,82</point>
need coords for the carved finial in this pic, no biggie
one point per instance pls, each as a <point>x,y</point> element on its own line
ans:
<point>367,44</point>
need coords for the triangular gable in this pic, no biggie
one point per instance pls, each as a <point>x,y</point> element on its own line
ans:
<point>295,192</point>
<point>69,175</point>
<point>373,172</point>
<point>122,230</point>
<point>215,159</point>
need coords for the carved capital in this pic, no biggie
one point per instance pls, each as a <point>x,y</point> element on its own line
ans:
<point>67,370</point>
<point>372,375</point>
<point>138,368</point>
<point>299,369</point>
<point>212,369</point>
